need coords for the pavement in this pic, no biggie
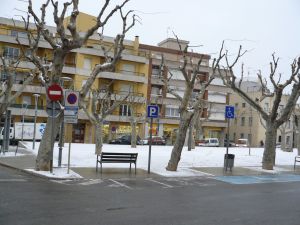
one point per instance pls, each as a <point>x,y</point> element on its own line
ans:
<point>24,160</point>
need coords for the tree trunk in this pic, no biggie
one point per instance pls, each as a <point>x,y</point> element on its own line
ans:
<point>45,149</point>
<point>98,137</point>
<point>177,149</point>
<point>298,140</point>
<point>283,139</point>
<point>133,134</point>
<point>270,146</point>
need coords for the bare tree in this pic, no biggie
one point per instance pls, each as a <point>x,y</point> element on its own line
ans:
<point>7,94</point>
<point>188,104</point>
<point>103,104</point>
<point>134,118</point>
<point>63,42</point>
<point>273,119</point>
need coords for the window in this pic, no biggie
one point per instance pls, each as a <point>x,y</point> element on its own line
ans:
<point>235,120</point>
<point>87,63</point>
<point>26,100</point>
<point>124,110</point>
<point>172,112</point>
<point>243,121</point>
<point>155,70</point>
<point>11,53</point>
<point>128,69</point>
<point>236,105</point>
<point>19,34</point>
<point>244,105</point>
<point>242,135</point>
<point>250,121</point>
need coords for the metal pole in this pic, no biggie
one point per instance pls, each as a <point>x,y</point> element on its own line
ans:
<point>23,123</point>
<point>150,145</point>
<point>69,153</point>
<point>226,156</point>
<point>60,144</point>
<point>52,137</point>
<point>35,115</point>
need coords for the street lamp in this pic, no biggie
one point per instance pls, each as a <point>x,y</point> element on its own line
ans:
<point>62,125</point>
<point>23,117</point>
<point>36,97</point>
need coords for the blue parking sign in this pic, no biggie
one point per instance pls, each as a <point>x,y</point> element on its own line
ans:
<point>152,111</point>
<point>229,112</point>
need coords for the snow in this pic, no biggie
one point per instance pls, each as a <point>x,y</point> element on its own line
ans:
<point>82,155</point>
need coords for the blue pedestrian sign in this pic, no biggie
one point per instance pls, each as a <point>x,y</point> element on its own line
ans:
<point>229,112</point>
<point>152,111</point>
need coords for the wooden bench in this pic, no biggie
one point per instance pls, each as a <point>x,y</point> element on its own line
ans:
<point>297,159</point>
<point>114,157</point>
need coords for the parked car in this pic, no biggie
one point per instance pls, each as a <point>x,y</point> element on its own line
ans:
<point>156,140</point>
<point>209,142</point>
<point>242,142</point>
<point>125,140</point>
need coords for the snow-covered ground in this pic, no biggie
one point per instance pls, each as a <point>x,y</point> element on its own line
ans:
<point>82,155</point>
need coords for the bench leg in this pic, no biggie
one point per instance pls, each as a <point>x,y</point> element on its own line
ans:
<point>101,167</point>
<point>295,164</point>
<point>135,169</point>
<point>130,168</point>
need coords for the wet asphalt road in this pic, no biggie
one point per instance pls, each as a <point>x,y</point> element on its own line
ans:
<point>28,200</point>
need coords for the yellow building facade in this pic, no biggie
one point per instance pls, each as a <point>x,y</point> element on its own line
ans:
<point>129,76</point>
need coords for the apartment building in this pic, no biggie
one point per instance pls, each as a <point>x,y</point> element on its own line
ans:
<point>213,119</point>
<point>130,75</point>
<point>247,123</point>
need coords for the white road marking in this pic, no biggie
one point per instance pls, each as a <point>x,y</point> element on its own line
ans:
<point>13,180</point>
<point>120,184</point>
<point>91,181</point>
<point>62,181</point>
<point>163,184</point>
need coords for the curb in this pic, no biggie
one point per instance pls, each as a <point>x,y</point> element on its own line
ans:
<point>38,175</point>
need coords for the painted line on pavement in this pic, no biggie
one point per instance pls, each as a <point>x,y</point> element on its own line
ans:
<point>13,180</point>
<point>120,184</point>
<point>91,181</point>
<point>163,184</point>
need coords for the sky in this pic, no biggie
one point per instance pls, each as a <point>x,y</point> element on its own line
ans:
<point>262,27</point>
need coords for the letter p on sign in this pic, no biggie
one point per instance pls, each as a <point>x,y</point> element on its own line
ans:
<point>152,111</point>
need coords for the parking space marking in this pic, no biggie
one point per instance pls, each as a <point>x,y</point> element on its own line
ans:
<point>13,180</point>
<point>259,179</point>
<point>163,184</point>
<point>120,184</point>
<point>91,181</point>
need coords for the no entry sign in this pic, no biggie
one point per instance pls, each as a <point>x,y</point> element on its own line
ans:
<point>55,92</point>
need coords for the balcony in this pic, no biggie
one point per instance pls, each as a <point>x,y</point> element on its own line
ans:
<point>124,75</point>
<point>30,88</point>
<point>120,95</point>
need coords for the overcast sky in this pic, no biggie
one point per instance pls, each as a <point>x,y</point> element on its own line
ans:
<point>261,26</point>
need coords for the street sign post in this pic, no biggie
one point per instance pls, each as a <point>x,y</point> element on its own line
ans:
<point>229,114</point>
<point>71,106</point>
<point>152,112</point>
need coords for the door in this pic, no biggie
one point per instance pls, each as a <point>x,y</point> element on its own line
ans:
<point>78,133</point>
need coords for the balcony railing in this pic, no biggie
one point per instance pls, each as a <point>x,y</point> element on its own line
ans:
<point>22,106</point>
<point>131,73</point>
